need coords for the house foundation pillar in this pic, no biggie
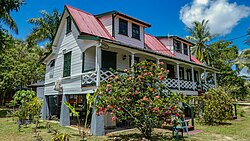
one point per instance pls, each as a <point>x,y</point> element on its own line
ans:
<point>45,108</point>
<point>64,114</point>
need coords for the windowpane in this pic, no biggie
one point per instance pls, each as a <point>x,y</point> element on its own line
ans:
<point>123,27</point>
<point>135,31</point>
<point>177,46</point>
<point>68,27</point>
<point>67,64</point>
<point>185,48</point>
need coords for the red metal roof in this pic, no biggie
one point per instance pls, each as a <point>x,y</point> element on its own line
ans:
<point>195,60</point>
<point>154,44</point>
<point>88,24</point>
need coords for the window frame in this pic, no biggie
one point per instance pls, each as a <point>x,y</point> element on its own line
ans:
<point>185,51</point>
<point>175,44</point>
<point>134,35</point>
<point>68,25</point>
<point>123,24</point>
<point>67,69</point>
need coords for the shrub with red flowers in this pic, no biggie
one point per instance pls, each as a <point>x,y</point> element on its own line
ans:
<point>140,95</point>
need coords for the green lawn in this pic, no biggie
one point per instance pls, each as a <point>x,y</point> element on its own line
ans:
<point>237,130</point>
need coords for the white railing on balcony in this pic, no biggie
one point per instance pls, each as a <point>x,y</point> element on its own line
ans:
<point>171,83</point>
<point>89,79</point>
<point>185,84</point>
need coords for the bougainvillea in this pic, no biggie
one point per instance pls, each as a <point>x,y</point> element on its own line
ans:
<point>140,95</point>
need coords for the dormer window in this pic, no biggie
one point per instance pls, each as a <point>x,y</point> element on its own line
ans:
<point>123,27</point>
<point>136,31</point>
<point>185,49</point>
<point>68,26</point>
<point>177,46</point>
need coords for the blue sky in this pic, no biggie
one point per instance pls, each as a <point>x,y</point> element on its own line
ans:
<point>163,15</point>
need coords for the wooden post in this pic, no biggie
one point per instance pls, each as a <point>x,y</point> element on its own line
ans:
<point>193,78</point>
<point>98,65</point>
<point>178,75</point>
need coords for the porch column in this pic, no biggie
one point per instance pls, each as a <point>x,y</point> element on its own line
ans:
<point>205,76</point>
<point>97,122</point>
<point>158,61</point>
<point>215,79</point>
<point>132,59</point>
<point>178,75</point>
<point>193,78</point>
<point>64,114</point>
<point>98,65</point>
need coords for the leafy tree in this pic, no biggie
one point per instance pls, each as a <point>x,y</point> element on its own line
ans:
<point>45,28</point>
<point>19,66</point>
<point>223,58</point>
<point>139,95</point>
<point>200,35</point>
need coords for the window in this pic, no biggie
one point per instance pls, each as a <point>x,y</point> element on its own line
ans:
<point>83,61</point>
<point>68,27</point>
<point>171,73</point>
<point>52,63</point>
<point>185,48</point>
<point>136,31</point>
<point>67,64</point>
<point>177,46</point>
<point>181,73</point>
<point>123,27</point>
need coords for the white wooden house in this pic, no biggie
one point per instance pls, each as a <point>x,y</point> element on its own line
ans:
<point>86,46</point>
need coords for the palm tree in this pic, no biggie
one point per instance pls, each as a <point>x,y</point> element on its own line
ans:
<point>243,60</point>
<point>6,7</point>
<point>200,35</point>
<point>45,28</point>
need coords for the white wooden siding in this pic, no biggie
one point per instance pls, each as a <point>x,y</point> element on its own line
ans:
<point>107,22</point>
<point>128,39</point>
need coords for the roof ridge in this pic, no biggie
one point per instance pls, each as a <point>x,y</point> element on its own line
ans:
<point>79,10</point>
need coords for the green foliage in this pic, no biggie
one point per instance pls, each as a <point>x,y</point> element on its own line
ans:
<point>29,105</point>
<point>138,95</point>
<point>19,65</point>
<point>216,106</point>
<point>23,96</point>
<point>90,100</point>
<point>6,7</point>
<point>73,110</point>
<point>61,137</point>
<point>45,28</point>
<point>200,35</point>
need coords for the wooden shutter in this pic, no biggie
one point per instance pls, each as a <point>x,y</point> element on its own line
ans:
<point>67,64</point>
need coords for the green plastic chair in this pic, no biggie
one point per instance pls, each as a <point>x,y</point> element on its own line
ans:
<point>182,126</point>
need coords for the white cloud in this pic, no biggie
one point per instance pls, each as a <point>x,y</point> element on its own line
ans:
<point>222,15</point>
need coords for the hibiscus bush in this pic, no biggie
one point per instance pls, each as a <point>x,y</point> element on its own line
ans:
<point>140,95</point>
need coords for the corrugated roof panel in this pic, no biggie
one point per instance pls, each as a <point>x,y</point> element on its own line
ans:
<point>154,44</point>
<point>88,23</point>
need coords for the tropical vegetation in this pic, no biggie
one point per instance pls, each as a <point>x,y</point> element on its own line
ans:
<point>138,95</point>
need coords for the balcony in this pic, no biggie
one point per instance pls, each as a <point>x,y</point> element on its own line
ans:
<point>89,79</point>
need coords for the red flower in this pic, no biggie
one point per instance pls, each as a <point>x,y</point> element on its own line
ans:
<point>109,85</point>
<point>157,96</point>
<point>161,63</point>
<point>177,114</point>
<point>108,107</point>
<point>107,90</point>
<point>100,108</point>
<point>114,118</point>
<point>119,109</point>
<point>167,71</point>
<point>136,91</point>
<point>165,122</point>
<point>116,77</point>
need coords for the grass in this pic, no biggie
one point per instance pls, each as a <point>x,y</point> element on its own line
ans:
<point>237,130</point>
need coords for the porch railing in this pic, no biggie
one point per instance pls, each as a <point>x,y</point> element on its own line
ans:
<point>89,79</point>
